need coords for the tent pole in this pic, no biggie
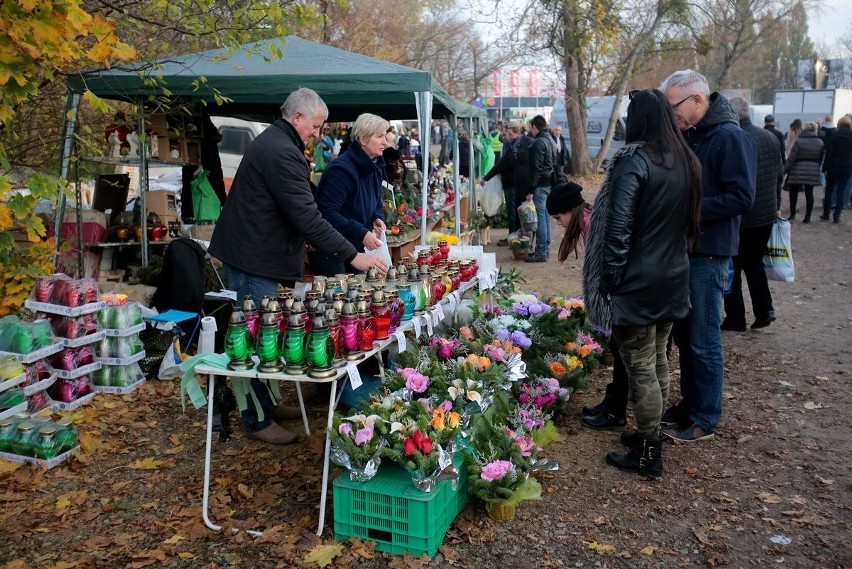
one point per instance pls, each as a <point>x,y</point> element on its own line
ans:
<point>143,182</point>
<point>72,108</point>
<point>424,114</point>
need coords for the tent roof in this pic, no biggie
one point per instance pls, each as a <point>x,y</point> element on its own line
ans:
<point>257,84</point>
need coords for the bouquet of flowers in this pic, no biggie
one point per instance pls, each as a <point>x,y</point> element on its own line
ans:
<point>356,444</point>
<point>543,393</point>
<point>498,471</point>
<point>422,440</point>
<point>587,349</point>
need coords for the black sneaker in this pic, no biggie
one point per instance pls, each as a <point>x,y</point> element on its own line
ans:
<point>674,417</point>
<point>733,327</point>
<point>690,434</point>
<point>533,258</point>
<point>762,322</point>
<point>605,422</point>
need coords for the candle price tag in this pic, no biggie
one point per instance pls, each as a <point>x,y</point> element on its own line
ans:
<point>354,375</point>
<point>454,302</point>
<point>417,327</point>
<point>429,329</point>
<point>401,342</point>
<point>441,313</point>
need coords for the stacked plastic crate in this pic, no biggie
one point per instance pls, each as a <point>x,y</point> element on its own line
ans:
<point>121,350</point>
<point>70,306</point>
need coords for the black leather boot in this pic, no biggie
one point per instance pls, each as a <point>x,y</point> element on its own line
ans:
<point>606,421</point>
<point>645,459</point>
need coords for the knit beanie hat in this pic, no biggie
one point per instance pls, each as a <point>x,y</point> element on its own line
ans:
<point>564,197</point>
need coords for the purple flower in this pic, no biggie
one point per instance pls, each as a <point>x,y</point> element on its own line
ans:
<point>520,309</point>
<point>535,310</point>
<point>521,340</point>
<point>345,429</point>
<point>502,334</point>
<point>447,405</point>
<point>415,381</point>
<point>496,470</point>
<point>551,383</point>
<point>524,398</point>
<point>563,313</point>
<point>364,435</point>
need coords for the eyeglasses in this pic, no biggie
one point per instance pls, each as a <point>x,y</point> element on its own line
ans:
<point>682,101</point>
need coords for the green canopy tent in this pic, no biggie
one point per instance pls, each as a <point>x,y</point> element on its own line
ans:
<point>254,84</point>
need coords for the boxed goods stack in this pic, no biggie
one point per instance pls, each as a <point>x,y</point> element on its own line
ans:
<point>30,343</point>
<point>121,350</point>
<point>12,398</point>
<point>70,306</point>
<point>40,441</point>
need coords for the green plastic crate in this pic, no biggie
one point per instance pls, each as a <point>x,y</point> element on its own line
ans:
<point>390,511</point>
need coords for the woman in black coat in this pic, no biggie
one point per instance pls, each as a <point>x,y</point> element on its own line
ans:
<point>803,169</point>
<point>636,272</point>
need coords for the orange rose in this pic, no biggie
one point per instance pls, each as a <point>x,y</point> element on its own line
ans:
<point>438,419</point>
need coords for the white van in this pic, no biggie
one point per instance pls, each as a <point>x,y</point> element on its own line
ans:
<point>597,119</point>
<point>237,135</point>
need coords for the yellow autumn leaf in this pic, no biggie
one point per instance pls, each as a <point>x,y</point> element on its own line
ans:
<point>186,555</point>
<point>88,442</point>
<point>99,52</point>
<point>648,550</point>
<point>66,565</point>
<point>322,555</point>
<point>174,539</point>
<point>600,548</point>
<point>63,503</point>
<point>149,463</point>
<point>7,467</point>
<point>28,5</point>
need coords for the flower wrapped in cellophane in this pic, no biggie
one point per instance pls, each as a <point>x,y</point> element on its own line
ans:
<point>356,444</point>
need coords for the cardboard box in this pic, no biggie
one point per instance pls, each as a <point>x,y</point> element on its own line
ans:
<point>162,202</point>
<point>204,232</point>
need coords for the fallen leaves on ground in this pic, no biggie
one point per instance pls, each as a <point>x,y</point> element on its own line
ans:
<point>323,555</point>
<point>600,548</point>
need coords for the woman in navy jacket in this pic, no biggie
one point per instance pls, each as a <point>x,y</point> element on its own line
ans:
<point>350,193</point>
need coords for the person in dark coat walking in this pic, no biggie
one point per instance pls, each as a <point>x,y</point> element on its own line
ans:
<point>755,227</point>
<point>260,237</point>
<point>804,163</point>
<point>838,169</point>
<point>728,164</point>
<point>645,215</point>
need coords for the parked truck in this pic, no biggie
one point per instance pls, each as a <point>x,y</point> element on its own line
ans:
<point>237,134</point>
<point>810,105</point>
<point>597,119</point>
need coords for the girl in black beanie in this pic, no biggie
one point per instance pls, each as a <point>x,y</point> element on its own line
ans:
<point>566,205</point>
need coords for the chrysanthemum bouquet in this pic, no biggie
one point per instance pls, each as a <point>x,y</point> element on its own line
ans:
<point>357,443</point>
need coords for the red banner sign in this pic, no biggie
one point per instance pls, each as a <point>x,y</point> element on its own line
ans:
<point>533,84</point>
<point>497,76</point>
<point>515,83</point>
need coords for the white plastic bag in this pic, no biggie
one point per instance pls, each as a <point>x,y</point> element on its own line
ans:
<point>382,251</point>
<point>491,196</point>
<point>170,366</point>
<point>778,259</point>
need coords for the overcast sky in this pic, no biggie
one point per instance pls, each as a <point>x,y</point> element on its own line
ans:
<point>834,21</point>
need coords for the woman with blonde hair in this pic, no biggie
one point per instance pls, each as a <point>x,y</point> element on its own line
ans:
<point>349,195</point>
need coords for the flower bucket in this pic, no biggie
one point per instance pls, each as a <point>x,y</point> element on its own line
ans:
<point>520,256</point>
<point>607,358</point>
<point>500,511</point>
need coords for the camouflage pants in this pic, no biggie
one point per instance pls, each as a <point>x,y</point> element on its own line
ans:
<point>643,349</point>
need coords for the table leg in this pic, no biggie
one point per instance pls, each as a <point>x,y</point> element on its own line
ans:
<point>302,407</point>
<point>206,497</point>
<point>332,398</point>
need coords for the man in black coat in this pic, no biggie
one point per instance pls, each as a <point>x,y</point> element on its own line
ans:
<point>260,237</point>
<point>563,155</point>
<point>755,227</point>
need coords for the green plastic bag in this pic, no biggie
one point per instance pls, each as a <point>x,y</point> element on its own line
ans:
<point>205,202</point>
<point>319,159</point>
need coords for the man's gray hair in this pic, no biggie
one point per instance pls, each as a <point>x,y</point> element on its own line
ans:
<point>368,125</point>
<point>741,105</point>
<point>811,126</point>
<point>304,101</point>
<point>688,80</point>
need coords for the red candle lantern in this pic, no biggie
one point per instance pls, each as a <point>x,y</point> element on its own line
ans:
<point>381,315</point>
<point>444,249</point>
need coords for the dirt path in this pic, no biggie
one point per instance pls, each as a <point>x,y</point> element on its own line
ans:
<point>780,467</point>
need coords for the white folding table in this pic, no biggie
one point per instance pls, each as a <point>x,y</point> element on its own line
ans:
<point>424,325</point>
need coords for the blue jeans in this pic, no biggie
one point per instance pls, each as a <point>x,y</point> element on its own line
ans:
<point>699,338</point>
<point>256,287</point>
<point>542,236</point>
<point>837,186</point>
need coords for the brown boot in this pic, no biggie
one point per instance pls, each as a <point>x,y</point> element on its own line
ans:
<point>286,413</point>
<point>274,435</point>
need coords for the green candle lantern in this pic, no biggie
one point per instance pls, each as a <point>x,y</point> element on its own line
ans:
<point>320,352</point>
<point>238,343</point>
<point>293,345</point>
<point>267,344</point>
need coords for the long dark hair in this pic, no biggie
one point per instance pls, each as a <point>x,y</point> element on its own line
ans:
<point>576,228</point>
<point>650,120</point>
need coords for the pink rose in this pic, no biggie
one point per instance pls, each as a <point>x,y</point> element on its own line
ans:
<point>345,429</point>
<point>364,435</point>
<point>496,470</point>
<point>417,382</point>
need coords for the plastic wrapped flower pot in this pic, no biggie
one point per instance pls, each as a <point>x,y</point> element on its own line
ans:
<point>500,511</point>
<point>425,479</point>
<point>357,472</point>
